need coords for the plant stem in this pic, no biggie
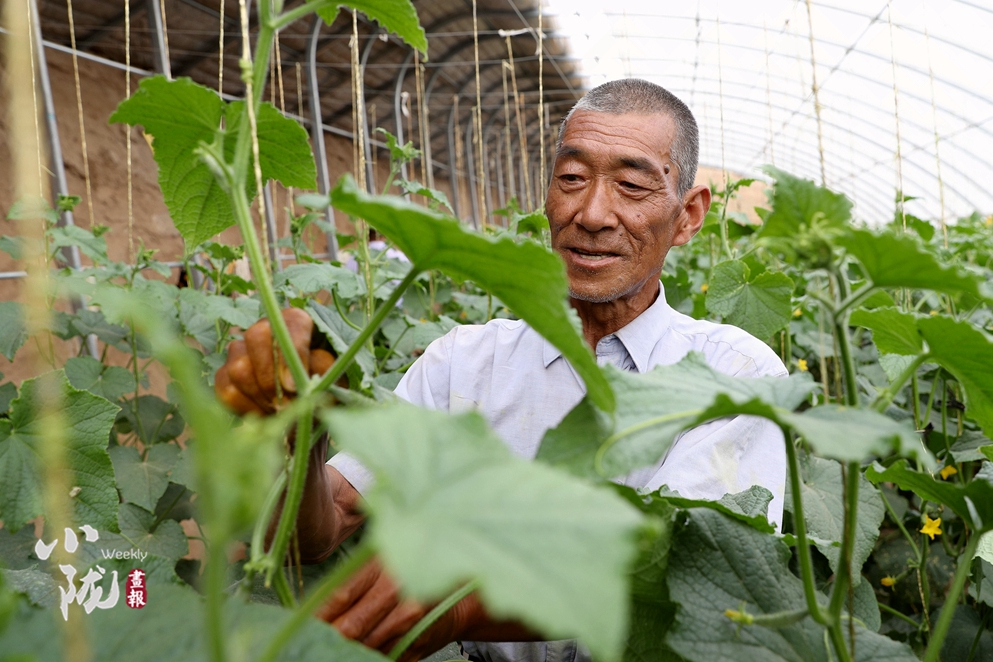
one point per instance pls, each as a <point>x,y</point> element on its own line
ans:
<point>838,639</point>
<point>903,529</point>
<point>885,396</point>
<point>440,609</point>
<point>855,298</point>
<point>263,282</point>
<point>294,492</point>
<point>800,526</point>
<point>951,600</point>
<point>265,515</point>
<point>296,14</point>
<point>843,575</point>
<point>339,367</point>
<point>847,360</point>
<point>362,553</point>
<point>893,612</point>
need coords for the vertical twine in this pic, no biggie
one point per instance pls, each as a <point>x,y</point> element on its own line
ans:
<point>79,113</point>
<point>246,55</point>
<point>768,95</point>
<point>720,101</point>
<point>358,105</point>
<point>165,31</point>
<point>541,99</point>
<point>459,154</point>
<point>937,138</point>
<point>373,153</point>
<point>220,52</point>
<point>477,119</point>
<point>896,117</point>
<point>521,129</point>
<point>506,133</point>
<point>421,132</point>
<point>127,127</point>
<point>34,101</point>
<point>282,108</point>
<point>816,90</point>
<point>299,77</point>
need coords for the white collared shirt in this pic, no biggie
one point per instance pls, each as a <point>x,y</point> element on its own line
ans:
<point>523,386</point>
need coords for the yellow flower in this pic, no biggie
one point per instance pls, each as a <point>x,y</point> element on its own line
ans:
<point>703,288</point>
<point>934,313</point>
<point>950,470</point>
<point>932,527</point>
<point>802,364</point>
<point>887,581</point>
<point>989,220</point>
<point>797,312</point>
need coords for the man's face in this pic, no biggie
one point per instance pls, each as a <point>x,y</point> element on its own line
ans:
<point>612,204</point>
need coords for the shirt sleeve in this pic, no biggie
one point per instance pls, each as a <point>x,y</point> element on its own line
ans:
<point>426,384</point>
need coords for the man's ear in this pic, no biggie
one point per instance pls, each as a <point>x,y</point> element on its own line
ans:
<point>696,204</point>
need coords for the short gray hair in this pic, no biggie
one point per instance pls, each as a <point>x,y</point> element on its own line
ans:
<point>634,95</point>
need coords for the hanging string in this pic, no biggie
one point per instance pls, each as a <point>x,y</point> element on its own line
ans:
<point>720,100</point>
<point>768,95</point>
<point>477,119</point>
<point>246,56</point>
<point>937,138</point>
<point>79,113</point>
<point>372,153</point>
<point>299,76</point>
<point>220,52</point>
<point>541,100</point>
<point>459,152</point>
<point>282,109</point>
<point>506,131</point>
<point>521,128</point>
<point>127,127</point>
<point>358,105</point>
<point>816,91</point>
<point>896,117</point>
<point>165,30</point>
<point>418,85</point>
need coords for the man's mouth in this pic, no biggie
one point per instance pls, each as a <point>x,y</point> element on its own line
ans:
<point>592,255</point>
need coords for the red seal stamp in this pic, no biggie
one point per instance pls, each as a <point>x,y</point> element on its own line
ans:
<point>135,591</point>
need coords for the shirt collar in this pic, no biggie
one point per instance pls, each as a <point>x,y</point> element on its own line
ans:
<point>639,337</point>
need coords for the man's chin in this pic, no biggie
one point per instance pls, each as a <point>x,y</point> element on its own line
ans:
<point>594,296</point>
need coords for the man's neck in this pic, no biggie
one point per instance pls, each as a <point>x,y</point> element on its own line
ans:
<point>602,319</point>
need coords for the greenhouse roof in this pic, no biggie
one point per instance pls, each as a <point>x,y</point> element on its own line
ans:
<point>905,88</point>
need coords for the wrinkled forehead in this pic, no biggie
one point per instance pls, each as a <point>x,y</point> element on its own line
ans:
<point>646,135</point>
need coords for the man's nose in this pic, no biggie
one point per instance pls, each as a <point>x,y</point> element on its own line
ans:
<point>597,212</point>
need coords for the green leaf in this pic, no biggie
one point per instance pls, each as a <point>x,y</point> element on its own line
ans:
<point>434,195</point>
<point>13,333</point>
<point>92,247</point>
<point>7,394</point>
<point>40,587</point>
<point>284,148</point>
<point>87,420</point>
<point>12,246</point>
<point>967,353</point>
<point>672,398</point>
<point>341,336</point>
<point>969,447</point>
<point>750,506</point>
<point>142,482</point>
<point>527,278</point>
<point>166,539</point>
<point>88,374</point>
<point>800,202</point>
<point>397,16</point>
<point>824,511</point>
<point>309,278</point>
<point>181,114</point>
<point>171,627</point>
<point>451,503</point>
<point>866,607</point>
<point>760,305</point>
<point>717,564</point>
<point>852,435</point>
<point>892,331</point>
<point>973,502</point>
<point>155,421</point>
<point>892,260</point>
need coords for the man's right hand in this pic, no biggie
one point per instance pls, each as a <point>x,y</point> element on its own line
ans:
<point>246,383</point>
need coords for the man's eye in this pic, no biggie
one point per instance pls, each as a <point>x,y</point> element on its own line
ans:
<point>569,178</point>
<point>630,187</point>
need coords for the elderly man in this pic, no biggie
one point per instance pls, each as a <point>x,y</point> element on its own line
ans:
<point>621,196</point>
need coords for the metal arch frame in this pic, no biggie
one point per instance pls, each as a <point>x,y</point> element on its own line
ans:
<point>840,96</point>
<point>317,132</point>
<point>97,33</point>
<point>859,135</point>
<point>160,54</point>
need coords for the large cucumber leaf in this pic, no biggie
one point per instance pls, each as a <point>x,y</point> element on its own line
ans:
<point>973,502</point>
<point>526,277</point>
<point>397,16</point>
<point>822,492</point>
<point>13,332</point>
<point>451,504</point>
<point>180,115</point>
<point>717,564</point>
<point>798,203</point>
<point>759,305</point>
<point>892,260</point>
<point>967,353</point>
<point>673,397</point>
<point>87,420</point>
<point>893,332</point>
